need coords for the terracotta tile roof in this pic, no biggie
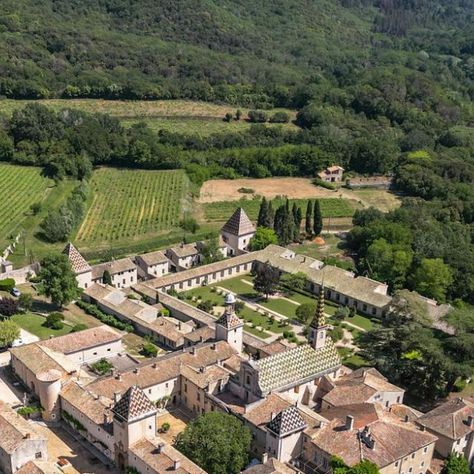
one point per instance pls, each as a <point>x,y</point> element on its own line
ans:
<point>276,347</point>
<point>185,250</point>
<point>239,224</point>
<point>14,429</point>
<point>39,467</point>
<point>272,466</point>
<point>78,262</point>
<point>233,363</point>
<point>393,441</point>
<point>450,419</point>
<point>133,405</point>
<point>92,406</point>
<point>405,413</point>
<point>230,320</point>
<point>290,367</point>
<point>201,334</point>
<point>206,375</point>
<point>163,368</point>
<point>161,457</point>
<point>342,395</point>
<point>114,267</point>
<point>260,414</point>
<point>287,421</point>
<point>83,340</point>
<point>362,413</point>
<point>153,258</point>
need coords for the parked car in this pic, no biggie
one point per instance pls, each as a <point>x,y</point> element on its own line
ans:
<point>15,292</point>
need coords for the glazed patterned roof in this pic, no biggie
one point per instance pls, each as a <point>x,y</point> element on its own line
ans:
<point>78,262</point>
<point>229,320</point>
<point>134,404</point>
<point>287,421</point>
<point>293,365</point>
<point>239,223</point>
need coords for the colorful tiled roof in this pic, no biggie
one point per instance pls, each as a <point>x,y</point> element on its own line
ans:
<point>78,262</point>
<point>239,224</point>
<point>229,320</point>
<point>134,404</point>
<point>287,421</point>
<point>293,365</point>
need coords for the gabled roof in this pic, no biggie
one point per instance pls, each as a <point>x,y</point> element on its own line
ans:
<point>290,367</point>
<point>451,419</point>
<point>287,421</point>
<point>229,320</point>
<point>272,466</point>
<point>78,262</point>
<point>134,404</point>
<point>239,223</point>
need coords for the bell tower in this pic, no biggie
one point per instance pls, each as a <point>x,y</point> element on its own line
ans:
<point>229,327</point>
<point>318,328</point>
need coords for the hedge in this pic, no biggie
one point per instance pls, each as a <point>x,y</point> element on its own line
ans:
<point>7,284</point>
<point>108,319</point>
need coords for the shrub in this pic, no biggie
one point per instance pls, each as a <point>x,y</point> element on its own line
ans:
<point>7,284</point>
<point>9,307</point>
<point>257,116</point>
<point>460,385</point>
<point>324,184</point>
<point>149,349</point>
<point>246,190</point>
<point>54,321</point>
<point>336,334</point>
<point>280,117</point>
<point>239,306</point>
<point>79,327</point>
<point>102,367</point>
<point>164,312</point>
<point>205,306</point>
<point>165,427</point>
<point>35,208</point>
<point>29,410</point>
<point>25,301</point>
<point>189,224</point>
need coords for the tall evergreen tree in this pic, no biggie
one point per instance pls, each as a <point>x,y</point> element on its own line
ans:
<point>278,221</point>
<point>270,216</point>
<point>263,214</point>
<point>318,218</point>
<point>298,220</point>
<point>309,216</point>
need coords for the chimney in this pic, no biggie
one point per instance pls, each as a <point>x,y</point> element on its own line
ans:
<point>176,464</point>
<point>154,365</point>
<point>159,448</point>
<point>118,376</point>
<point>264,458</point>
<point>135,371</point>
<point>179,325</point>
<point>116,397</point>
<point>349,422</point>
<point>470,421</point>
<point>27,436</point>
<point>201,339</point>
<point>214,346</point>
<point>193,350</point>
<point>406,418</point>
<point>202,369</point>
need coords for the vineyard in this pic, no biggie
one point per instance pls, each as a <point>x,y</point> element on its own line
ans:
<point>130,204</point>
<point>20,187</point>
<point>222,210</point>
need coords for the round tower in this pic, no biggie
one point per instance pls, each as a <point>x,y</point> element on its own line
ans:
<point>49,384</point>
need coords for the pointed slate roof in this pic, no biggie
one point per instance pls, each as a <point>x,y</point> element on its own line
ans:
<point>287,421</point>
<point>134,404</point>
<point>239,224</point>
<point>229,319</point>
<point>78,262</point>
<point>319,319</point>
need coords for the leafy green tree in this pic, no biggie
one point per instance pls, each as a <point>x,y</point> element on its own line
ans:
<point>263,214</point>
<point>267,279</point>
<point>309,217</point>
<point>217,442</point>
<point>432,278</point>
<point>228,117</point>
<point>280,117</point>
<point>262,238</point>
<point>338,466</point>
<point>106,278</point>
<point>284,224</point>
<point>54,321</point>
<point>317,218</point>
<point>238,114</point>
<point>9,331</point>
<point>456,464</point>
<point>211,251</point>
<point>25,301</point>
<point>189,224</point>
<point>57,280</point>
<point>305,312</point>
<point>257,116</point>
<point>294,281</point>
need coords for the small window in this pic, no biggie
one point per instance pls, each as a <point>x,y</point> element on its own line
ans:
<point>95,353</point>
<point>38,455</point>
<point>425,450</point>
<point>413,455</point>
<point>396,464</point>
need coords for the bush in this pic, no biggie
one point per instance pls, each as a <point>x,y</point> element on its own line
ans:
<point>460,385</point>
<point>7,284</point>
<point>149,349</point>
<point>9,307</point>
<point>336,334</point>
<point>205,306</point>
<point>189,224</point>
<point>257,116</point>
<point>102,367</point>
<point>324,184</point>
<point>79,327</point>
<point>246,190</point>
<point>54,321</point>
<point>165,427</point>
<point>164,312</point>
<point>29,410</point>
<point>280,117</point>
<point>25,301</point>
<point>239,306</point>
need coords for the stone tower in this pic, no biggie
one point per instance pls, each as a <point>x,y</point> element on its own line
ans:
<point>318,328</point>
<point>229,327</point>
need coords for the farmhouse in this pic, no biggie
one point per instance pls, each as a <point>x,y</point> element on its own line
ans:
<point>153,264</point>
<point>184,256</point>
<point>332,174</point>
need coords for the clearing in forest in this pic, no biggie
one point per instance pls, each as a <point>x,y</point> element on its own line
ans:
<point>130,204</point>
<point>20,187</point>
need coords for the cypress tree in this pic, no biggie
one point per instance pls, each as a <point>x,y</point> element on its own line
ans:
<point>298,219</point>
<point>318,218</point>
<point>263,214</point>
<point>309,215</point>
<point>270,216</point>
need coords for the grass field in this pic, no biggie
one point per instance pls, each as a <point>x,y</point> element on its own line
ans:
<point>20,187</point>
<point>221,211</point>
<point>33,323</point>
<point>180,116</point>
<point>129,204</point>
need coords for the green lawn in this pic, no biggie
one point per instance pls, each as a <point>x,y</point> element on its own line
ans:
<point>33,323</point>
<point>281,306</point>
<point>236,285</point>
<point>361,321</point>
